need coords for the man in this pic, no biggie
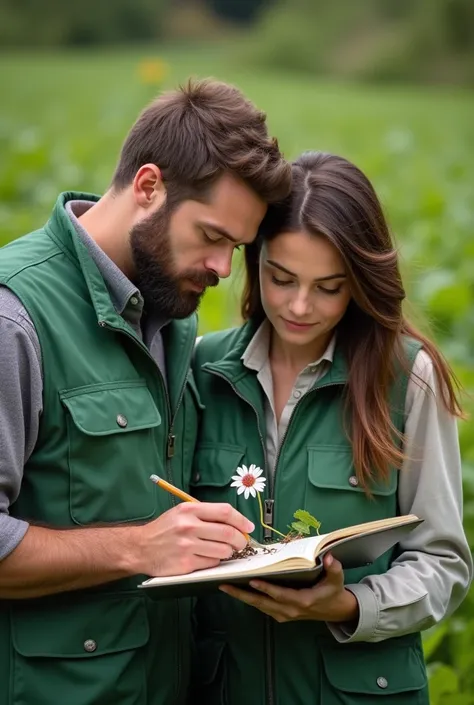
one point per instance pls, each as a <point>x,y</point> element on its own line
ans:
<point>97,332</point>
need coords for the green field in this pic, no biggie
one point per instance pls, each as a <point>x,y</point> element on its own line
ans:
<point>63,118</point>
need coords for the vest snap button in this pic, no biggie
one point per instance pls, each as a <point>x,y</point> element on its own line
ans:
<point>353,481</point>
<point>382,682</point>
<point>122,420</point>
<point>197,477</point>
<point>90,645</point>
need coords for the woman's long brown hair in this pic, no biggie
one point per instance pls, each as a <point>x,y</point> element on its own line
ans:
<point>332,198</point>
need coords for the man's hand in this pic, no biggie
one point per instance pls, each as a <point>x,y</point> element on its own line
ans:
<point>328,601</point>
<point>191,536</point>
<point>188,537</point>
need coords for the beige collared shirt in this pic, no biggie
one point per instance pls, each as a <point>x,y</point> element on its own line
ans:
<point>433,573</point>
<point>256,358</point>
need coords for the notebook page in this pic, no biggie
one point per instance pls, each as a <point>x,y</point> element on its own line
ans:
<point>301,548</point>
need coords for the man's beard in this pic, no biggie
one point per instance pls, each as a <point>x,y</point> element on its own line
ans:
<point>159,285</point>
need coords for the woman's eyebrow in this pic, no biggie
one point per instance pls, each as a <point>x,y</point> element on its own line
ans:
<point>292,274</point>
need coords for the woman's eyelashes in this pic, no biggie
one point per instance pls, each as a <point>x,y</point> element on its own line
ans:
<point>281,282</point>
<point>331,292</point>
<point>323,289</point>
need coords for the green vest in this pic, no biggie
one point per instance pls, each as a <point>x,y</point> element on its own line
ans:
<point>106,426</point>
<point>244,656</point>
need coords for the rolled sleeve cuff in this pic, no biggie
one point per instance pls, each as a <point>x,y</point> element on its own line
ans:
<point>12,532</point>
<point>368,617</point>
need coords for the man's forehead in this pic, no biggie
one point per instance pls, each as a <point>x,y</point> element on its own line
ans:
<point>236,208</point>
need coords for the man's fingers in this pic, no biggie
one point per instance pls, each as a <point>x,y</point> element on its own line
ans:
<point>220,513</point>
<point>213,549</point>
<point>223,534</point>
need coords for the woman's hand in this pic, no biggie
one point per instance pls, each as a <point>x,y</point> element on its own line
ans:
<point>328,601</point>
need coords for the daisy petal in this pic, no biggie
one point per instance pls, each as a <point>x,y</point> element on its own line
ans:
<point>257,472</point>
<point>247,492</point>
<point>241,489</point>
<point>237,477</point>
<point>242,470</point>
<point>252,468</point>
<point>252,491</point>
<point>237,483</point>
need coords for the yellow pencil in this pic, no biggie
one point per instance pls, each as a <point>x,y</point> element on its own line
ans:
<point>182,495</point>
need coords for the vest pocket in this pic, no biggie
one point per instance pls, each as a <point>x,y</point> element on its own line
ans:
<point>112,452</point>
<point>213,468</point>
<point>363,673</point>
<point>85,652</point>
<point>332,484</point>
<point>332,468</point>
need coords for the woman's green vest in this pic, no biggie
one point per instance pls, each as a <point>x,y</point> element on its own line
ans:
<point>105,427</point>
<point>244,657</point>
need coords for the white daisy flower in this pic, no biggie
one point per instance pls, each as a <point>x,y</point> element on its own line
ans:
<point>249,481</point>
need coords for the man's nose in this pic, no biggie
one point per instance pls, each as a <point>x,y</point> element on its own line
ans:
<point>221,264</point>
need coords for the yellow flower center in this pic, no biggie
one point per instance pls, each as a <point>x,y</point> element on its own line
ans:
<point>248,480</point>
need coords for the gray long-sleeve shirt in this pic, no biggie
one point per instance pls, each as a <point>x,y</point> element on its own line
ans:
<point>21,382</point>
<point>433,572</point>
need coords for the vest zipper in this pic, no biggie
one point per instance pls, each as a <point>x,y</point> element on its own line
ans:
<point>170,444</point>
<point>311,391</point>
<point>270,516</point>
<point>171,437</point>
<point>268,505</point>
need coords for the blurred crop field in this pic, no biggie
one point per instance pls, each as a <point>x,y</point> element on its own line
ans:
<point>63,117</point>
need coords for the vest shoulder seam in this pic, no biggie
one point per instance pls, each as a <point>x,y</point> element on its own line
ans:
<point>31,264</point>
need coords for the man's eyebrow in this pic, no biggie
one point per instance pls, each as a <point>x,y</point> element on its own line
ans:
<point>292,274</point>
<point>220,231</point>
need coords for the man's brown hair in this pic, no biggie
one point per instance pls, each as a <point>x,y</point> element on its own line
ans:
<point>196,133</point>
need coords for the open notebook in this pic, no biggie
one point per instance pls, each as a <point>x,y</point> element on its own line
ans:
<point>295,564</point>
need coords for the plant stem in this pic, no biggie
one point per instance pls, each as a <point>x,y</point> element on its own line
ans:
<point>261,518</point>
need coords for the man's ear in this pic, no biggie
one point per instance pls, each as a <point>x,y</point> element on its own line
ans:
<point>148,188</point>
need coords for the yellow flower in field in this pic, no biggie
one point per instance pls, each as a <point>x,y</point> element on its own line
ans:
<point>152,71</point>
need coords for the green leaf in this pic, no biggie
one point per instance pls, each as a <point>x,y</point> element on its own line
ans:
<point>301,528</point>
<point>307,518</point>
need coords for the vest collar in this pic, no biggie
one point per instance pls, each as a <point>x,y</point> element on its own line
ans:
<point>63,232</point>
<point>179,336</point>
<point>232,367</point>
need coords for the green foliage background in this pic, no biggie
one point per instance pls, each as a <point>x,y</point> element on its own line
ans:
<point>62,121</point>
<point>389,40</point>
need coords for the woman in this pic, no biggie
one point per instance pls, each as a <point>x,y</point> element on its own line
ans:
<point>351,414</point>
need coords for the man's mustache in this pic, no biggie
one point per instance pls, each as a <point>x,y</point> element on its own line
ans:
<point>202,279</point>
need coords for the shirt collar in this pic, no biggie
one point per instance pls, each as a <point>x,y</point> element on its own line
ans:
<point>257,351</point>
<point>122,291</point>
